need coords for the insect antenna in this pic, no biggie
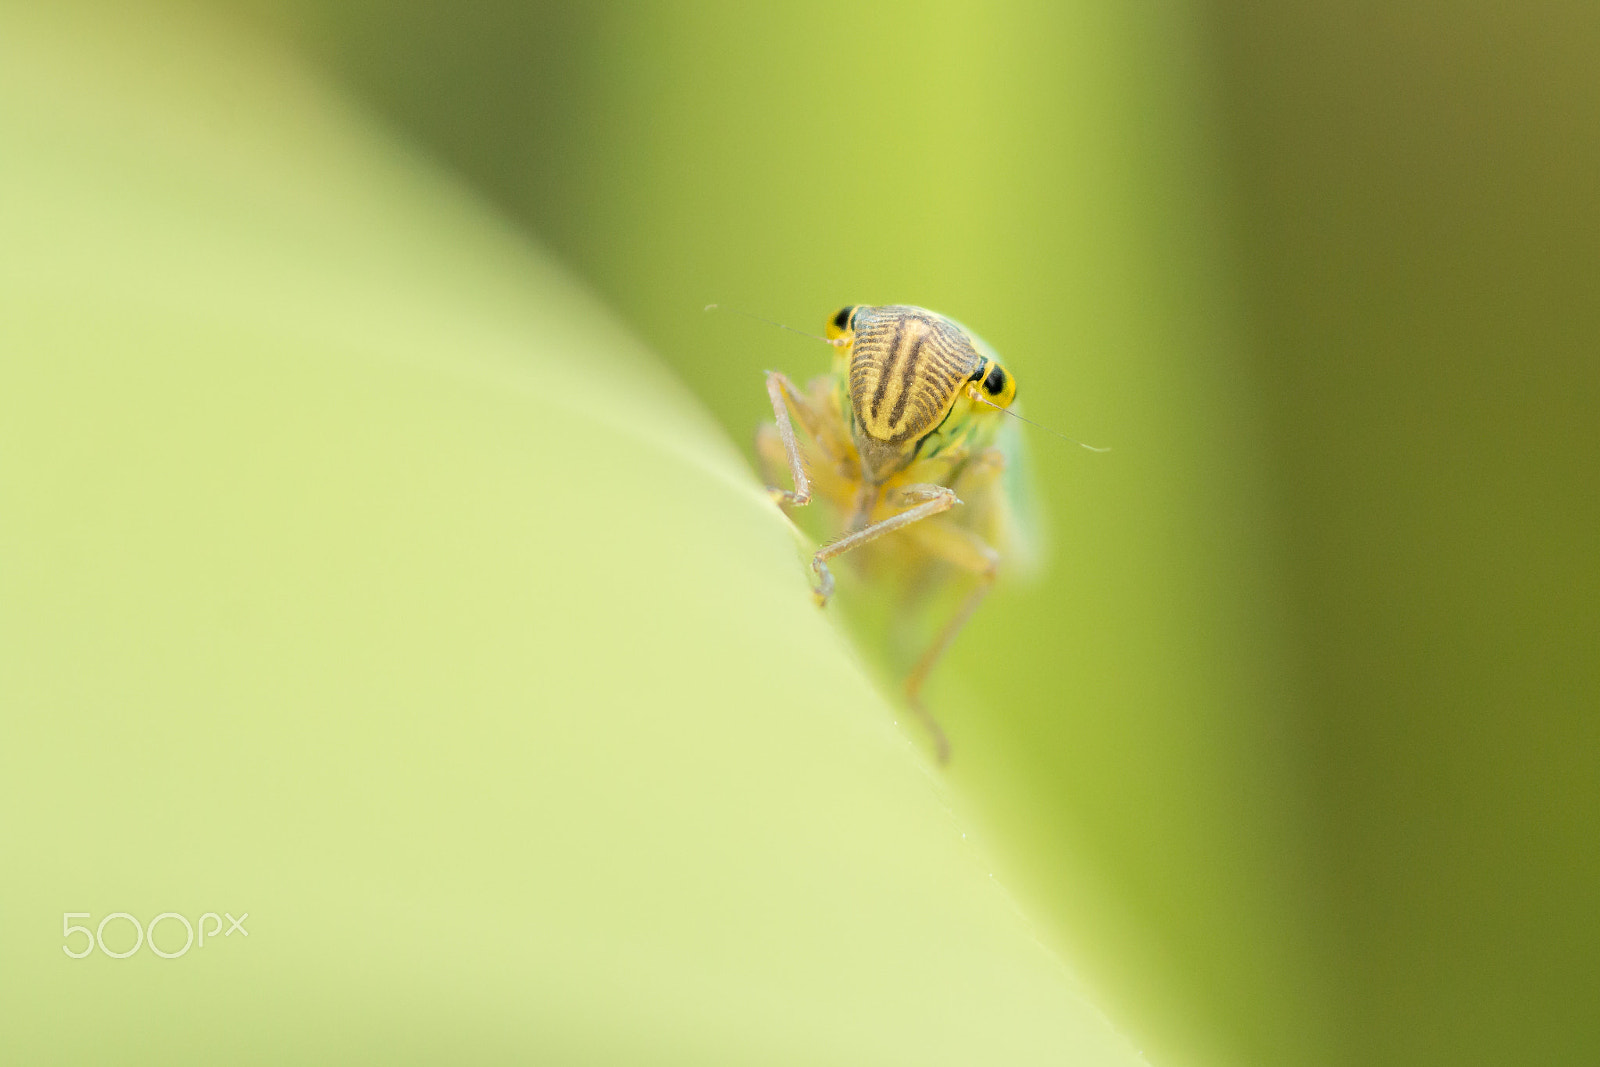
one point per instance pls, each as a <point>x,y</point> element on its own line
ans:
<point>761,318</point>
<point>974,394</point>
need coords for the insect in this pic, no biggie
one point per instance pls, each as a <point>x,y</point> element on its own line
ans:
<point>907,443</point>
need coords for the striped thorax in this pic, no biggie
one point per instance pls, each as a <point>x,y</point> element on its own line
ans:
<point>907,367</point>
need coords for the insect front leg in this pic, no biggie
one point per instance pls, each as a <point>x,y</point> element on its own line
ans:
<point>927,500</point>
<point>785,395</point>
<point>771,458</point>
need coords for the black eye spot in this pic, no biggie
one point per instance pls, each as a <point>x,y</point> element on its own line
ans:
<point>995,383</point>
<point>841,321</point>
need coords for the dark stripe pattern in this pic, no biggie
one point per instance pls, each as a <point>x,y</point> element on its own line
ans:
<point>906,367</point>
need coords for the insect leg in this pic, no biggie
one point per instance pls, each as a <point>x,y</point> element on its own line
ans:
<point>932,499</point>
<point>770,456</point>
<point>783,394</point>
<point>966,550</point>
<point>981,471</point>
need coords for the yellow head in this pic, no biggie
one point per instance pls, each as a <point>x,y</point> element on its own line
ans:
<point>906,367</point>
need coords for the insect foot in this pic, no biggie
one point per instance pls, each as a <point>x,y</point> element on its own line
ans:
<point>824,587</point>
<point>785,498</point>
<point>924,492</point>
<point>941,743</point>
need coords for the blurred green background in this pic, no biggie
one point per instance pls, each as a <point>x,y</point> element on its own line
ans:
<point>1303,725</point>
<point>1049,175</point>
<point>1293,749</point>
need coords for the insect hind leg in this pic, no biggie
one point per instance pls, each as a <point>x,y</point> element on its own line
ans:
<point>966,550</point>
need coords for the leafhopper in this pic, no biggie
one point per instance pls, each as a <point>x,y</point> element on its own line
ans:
<point>907,442</point>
